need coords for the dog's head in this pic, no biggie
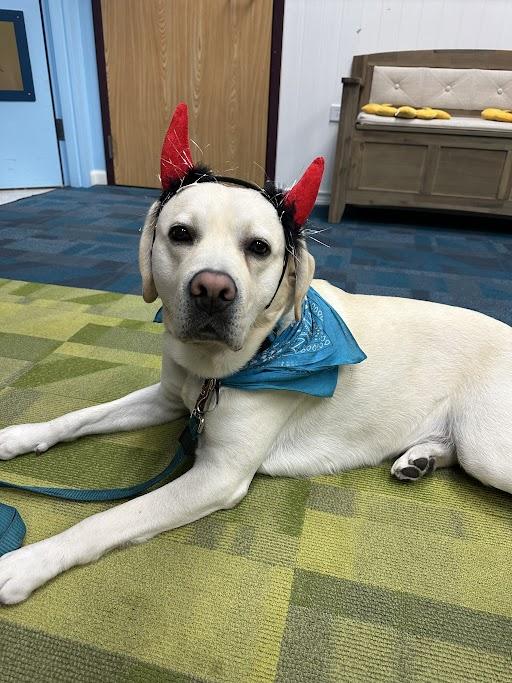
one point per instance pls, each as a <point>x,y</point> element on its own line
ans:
<point>224,256</point>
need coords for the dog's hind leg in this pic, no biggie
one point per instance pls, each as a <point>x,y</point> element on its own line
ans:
<point>483,429</point>
<point>422,459</point>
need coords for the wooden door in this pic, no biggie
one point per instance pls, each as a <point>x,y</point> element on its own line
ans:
<point>212,54</point>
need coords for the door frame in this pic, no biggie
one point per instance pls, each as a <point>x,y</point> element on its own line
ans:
<point>273,99</point>
<point>69,37</point>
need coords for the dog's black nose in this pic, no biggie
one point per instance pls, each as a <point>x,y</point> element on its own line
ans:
<point>212,291</point>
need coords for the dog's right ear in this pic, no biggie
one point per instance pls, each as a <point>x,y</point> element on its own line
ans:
<point>147,238</point>
<point>304,272</point>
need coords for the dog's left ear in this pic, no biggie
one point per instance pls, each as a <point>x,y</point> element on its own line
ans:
<point>147,238</point>
<point>304,271</point>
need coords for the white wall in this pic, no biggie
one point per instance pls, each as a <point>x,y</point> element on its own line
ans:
<point>320,39</point>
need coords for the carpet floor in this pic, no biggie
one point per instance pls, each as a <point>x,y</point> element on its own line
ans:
<point>352,577</point>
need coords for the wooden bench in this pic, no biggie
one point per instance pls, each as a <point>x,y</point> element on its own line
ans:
<point>464,164</point>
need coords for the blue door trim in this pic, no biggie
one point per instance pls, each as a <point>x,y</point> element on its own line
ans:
<point>72,59</point>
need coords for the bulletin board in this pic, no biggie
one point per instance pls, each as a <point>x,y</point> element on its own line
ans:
<point>15,71</point>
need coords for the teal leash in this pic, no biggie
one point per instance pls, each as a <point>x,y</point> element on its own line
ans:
<point>12,527</point>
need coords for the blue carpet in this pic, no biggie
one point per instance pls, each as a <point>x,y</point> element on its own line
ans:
<point>89,238</point>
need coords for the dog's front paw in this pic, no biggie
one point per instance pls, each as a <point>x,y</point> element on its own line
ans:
<point>26,438</point>
<point>25,569</point>
<point>410,468</point>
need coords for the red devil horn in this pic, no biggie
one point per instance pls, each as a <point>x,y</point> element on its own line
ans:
<point>176,159</point>
<point>302,196</point>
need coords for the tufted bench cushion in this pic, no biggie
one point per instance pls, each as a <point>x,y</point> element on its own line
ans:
<point>457,124</point>
<point>450,89</point>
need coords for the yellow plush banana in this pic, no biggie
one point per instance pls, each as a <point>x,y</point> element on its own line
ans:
<point>425,113</point>
<point>491,114</point>
<point>441,114</point>
<point>406,113</point>
<point>379,109</point>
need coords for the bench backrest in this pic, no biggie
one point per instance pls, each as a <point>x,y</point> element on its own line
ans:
<point>451,89</point>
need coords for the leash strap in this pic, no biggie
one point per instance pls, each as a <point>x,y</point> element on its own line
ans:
<point>12,527</point>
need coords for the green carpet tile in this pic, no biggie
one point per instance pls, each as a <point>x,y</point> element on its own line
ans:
<point>351,577</point>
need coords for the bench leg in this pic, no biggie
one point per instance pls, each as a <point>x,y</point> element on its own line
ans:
<point>337,208</point>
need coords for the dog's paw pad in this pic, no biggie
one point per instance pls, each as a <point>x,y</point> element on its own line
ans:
<point>420,463</point>
<point>410,472</point>
<point>425,465</point>
<point>406,468</point>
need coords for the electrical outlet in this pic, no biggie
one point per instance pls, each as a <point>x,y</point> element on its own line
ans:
<point>334,113</point>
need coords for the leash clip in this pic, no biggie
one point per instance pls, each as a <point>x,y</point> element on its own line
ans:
<point>200,423</point>
<point>210,387</point>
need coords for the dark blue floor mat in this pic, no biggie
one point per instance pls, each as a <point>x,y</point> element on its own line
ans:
<point>89,238</point>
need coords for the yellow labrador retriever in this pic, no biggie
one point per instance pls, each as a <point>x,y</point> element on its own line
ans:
<point>436,387</point>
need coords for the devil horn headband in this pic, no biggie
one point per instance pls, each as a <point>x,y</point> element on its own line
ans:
<point>176,159</point>
<point>176,163</point>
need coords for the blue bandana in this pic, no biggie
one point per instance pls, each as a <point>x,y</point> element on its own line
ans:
<point>305,357</point>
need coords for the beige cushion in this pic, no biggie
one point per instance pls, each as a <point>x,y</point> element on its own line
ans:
<point>470,89</point>
<point>457,124</point>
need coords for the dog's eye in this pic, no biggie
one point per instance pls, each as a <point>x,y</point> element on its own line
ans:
<point>179,233</point>
<point>259,247</point>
